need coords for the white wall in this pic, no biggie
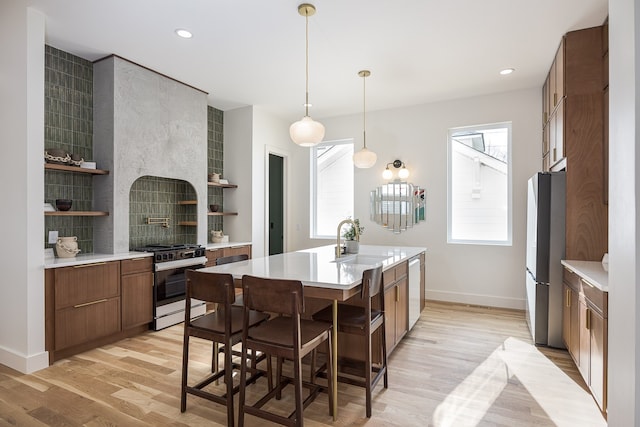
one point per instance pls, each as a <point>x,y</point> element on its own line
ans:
<point>250,134</point>
<point>22,123</point>
<point>478,274</point>
<point>624,185</point>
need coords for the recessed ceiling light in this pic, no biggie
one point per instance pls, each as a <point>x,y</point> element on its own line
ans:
<point>185,34</point>
<point>507,71</point>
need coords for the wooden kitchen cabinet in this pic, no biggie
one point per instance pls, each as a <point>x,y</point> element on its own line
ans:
<point>90,305</point>
<point>213,254</point>
<point>86,302</point>
<point>573,139</point>
<point>396,304</point>
<point>136,291</point>
<point>586,333</point>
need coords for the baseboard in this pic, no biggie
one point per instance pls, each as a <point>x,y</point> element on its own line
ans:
<point>476,299</point>
<point>22,363</point>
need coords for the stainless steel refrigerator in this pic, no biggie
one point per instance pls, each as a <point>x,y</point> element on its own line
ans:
<point>545,248</point>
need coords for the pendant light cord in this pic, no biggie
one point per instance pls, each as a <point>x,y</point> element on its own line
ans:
<point>306,61</point>
<point>364,111</point>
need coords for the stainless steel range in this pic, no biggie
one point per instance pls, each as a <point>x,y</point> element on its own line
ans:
<point>169,265</point>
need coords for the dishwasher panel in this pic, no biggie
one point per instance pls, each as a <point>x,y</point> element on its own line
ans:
<point>414,291</point>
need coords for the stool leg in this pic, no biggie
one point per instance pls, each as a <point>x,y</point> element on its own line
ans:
<point>185,369</point>
<point>297,366</point>
<point>279,378</point>
<point>330,374</point>
<point>228,379</point>
<point>243,379</point>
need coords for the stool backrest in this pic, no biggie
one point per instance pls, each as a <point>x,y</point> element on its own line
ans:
<point>210,287</point>
<point>273,295</point>
<point>371,282</point>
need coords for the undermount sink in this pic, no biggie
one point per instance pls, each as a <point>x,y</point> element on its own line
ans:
<point>361,259</point>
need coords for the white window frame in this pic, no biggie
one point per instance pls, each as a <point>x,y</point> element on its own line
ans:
<point>313,190</point>
<point>509,240</point>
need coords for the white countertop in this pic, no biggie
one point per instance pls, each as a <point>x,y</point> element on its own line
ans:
<point>591,271</point>
<point>317,266</point>
<point>92,258</point>
<point>226,245</point>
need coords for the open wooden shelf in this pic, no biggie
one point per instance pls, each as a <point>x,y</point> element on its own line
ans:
<point>221,213</point>
<point>188,202</point>
<point>217,184</point>
<point>66,168</point>
<point>188,223</point>
<point>77,213</point>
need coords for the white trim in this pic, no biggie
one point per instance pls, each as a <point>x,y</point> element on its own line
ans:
<point>22,363</point>
<point>313,187</point>
<point>476,299</point>
<point>278,151</point>
<point>509,240</point>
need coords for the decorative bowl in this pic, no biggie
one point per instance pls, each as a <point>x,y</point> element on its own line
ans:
<point>63,204</point>
<point>56,156</point>
<point>76,160</point>
<point>214,208</point>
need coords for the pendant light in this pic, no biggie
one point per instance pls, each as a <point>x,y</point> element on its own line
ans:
<point>364,158</point>
<point>306,132</point>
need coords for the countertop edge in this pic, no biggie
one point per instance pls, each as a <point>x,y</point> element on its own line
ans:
<point>210,246</point>
<point>591,271</point>
<point>92,258</point>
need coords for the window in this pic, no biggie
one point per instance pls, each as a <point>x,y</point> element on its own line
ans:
<point>331,186</point>
<point>479,185</point>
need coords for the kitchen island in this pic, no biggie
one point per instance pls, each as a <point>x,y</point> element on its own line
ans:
<point>337,279</point>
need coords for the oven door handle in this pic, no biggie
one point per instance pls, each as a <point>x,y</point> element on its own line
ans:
<point>189,262</point>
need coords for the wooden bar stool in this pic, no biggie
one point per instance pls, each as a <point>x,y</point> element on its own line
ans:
<point>364,320</point>
<point>222,326</point>
<point>285,336</point>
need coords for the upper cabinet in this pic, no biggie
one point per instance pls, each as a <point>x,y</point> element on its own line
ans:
<point>573,138</point>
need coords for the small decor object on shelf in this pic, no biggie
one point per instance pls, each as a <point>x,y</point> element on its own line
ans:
<point>76,160</point>
<point>218,237</point>
<point>214,208</point>
<point>214,177</point>
<point>63,204</point>
<point>67,247</point>
<point>224,181</point>
<point>353,245</point>
<point>88,165</point>
<point>56,156</point>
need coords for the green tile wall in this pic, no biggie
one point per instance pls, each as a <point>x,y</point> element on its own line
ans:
<point>215,148</point>
<point>68,124</point>
<point>153,197</point>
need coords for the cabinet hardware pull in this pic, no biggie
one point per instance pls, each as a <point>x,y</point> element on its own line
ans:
<point>90,303</point>
<point>588,318</point>
<point>568,298</point>
<point>89,265</point>
<point>569,270</point>
<point>587,283</point>
<point>138,259</point>
<point>555,99</point>
<point>397,293</point>
<point>555,157</point>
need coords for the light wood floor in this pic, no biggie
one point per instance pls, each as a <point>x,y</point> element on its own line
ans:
<point>459,366</point>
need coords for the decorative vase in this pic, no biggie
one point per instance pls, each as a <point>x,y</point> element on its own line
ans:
<point>67,247</point>
<point>353,246</point>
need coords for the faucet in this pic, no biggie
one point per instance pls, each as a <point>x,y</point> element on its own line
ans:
<point>355,228</point>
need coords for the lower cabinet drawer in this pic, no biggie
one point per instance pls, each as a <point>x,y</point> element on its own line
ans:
<point>84,323</point>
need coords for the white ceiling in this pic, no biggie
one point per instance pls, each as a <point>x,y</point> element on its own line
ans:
<point>251,52</point>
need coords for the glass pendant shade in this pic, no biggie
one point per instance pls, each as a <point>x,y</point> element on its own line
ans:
<point>403,173</point>
<point>364,158</point>
<point>387,174</point>
<point>306,132</point>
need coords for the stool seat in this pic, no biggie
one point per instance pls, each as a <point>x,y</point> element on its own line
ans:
<point>215,321</point>
<point>277,331</point>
